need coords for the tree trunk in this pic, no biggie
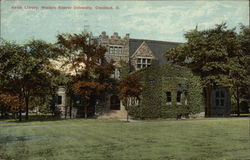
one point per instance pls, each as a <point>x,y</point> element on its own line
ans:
<point>1,107</point>
<point>66,110</point>
<point>20,115</point>
<point>27,107</point>
<point>127,111</point>
<point>15,116</point>
<point>85,111</point>
<point>92,105</point>
<point>70,108</point>
<point>238,101</point>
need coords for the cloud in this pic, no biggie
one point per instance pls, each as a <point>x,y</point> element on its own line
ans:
<point>163,20</point>
<point>171,20</point>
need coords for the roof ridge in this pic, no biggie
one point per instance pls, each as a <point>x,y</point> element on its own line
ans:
<point>158,41</point>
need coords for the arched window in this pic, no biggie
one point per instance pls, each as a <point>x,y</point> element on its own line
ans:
<point>114,102</point>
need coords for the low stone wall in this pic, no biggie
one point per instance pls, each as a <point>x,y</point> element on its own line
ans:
<point>198,115</point>
<point>113,115</point>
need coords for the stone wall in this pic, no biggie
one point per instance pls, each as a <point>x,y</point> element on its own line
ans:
<point>62,93</point>
<point>115,40</point>
<point>103,110</point>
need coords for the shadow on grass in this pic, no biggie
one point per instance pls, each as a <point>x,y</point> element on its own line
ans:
<point>32,118</point>
<point>9,139</point>
<point>47,118</point>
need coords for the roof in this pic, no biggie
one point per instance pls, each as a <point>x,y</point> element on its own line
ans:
<point>157,47</point>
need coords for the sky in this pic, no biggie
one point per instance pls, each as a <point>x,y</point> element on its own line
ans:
<point>156,20</point>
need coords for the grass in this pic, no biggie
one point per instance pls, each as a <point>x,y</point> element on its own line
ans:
<point>80,139</point>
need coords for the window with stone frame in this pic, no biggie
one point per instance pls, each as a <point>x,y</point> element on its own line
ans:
<point>119,50</point>
<point>113,49</point>
<point>143,62</point>
<point>178,97</point>
<point>168,98</point>
<point>59,100</point>
<point>220,98</point>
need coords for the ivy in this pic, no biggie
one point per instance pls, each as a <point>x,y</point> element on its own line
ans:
<point>157,80</point>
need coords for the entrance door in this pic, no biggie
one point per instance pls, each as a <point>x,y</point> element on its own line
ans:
<point>114,102</point>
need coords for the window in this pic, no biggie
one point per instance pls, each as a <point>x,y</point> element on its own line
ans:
<point>114,103</point>
<point>133,101</point>
<point>139,60</point>
<point>59,100</point>
<point>111,50</point>
<point>115,50</point>
<point>143,62</point>
<point>178,97</point>
<point>138,65</point>
<point>219,98</point>
<point>149,61</point>
<point>115,74</point>
<point>168,97</point>
<point>120,50</point>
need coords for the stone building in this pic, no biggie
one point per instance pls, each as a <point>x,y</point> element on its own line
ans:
<point>139,53</point>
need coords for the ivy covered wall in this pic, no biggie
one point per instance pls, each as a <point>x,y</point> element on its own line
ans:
<point>157,81</point>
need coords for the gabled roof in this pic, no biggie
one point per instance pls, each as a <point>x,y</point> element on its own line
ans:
<point>143,44</point>
<point>157,47</point>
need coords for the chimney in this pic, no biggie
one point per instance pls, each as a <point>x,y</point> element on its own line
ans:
<point>103,33</point>
<point>115,35</point>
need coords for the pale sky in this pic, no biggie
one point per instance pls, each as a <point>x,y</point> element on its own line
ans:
<point>157,20</point>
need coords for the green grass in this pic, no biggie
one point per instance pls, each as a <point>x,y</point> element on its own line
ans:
<point>79,139</point>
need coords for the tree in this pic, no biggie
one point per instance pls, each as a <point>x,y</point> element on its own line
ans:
<point>210,54</point>
<point>240,72</point>
<point>11,103</point>
<point>87,59</point>
<point>25,70</point>
<point>129,87</point>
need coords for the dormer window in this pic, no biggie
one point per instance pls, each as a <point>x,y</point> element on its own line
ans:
<point>143,62</point>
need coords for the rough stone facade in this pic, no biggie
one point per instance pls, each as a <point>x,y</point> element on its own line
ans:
<point>115,42</point>
<point>139,53</point>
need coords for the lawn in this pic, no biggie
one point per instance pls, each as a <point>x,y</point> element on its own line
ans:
<point>79,139</point>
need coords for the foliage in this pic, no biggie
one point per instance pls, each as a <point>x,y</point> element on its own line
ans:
<point>87,59</point>
<point>208,54</point>
<point>25,70</point>
<point>10,102</point>
<point>129,90</point>
<point>157,80</point>
<point>216,55</point>
<point>124,69</point>
<point>129,86</point>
